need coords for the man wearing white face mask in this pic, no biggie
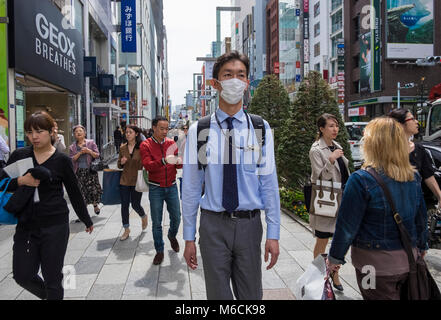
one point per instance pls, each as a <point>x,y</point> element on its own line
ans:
<point>235,190</point>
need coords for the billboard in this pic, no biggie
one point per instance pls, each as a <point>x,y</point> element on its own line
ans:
<point>410,29</point>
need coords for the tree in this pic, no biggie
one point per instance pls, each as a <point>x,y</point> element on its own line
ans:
<point>314,97</point>
<point>271,101</point>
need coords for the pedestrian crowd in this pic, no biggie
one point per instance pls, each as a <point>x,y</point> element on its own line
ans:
<point>229,174</point>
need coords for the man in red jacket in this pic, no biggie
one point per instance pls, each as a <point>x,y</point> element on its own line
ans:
<point>159,158</point>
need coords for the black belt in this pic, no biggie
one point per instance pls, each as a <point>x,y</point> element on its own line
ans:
<point>235,214</point>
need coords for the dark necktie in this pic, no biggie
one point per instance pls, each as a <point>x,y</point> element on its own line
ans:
<point>230,196</point>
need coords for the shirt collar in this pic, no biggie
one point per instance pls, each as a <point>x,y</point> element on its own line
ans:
<point>157,140</point>
<point>221,115</point>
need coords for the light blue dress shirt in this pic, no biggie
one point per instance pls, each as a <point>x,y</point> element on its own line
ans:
<point>257,185</point>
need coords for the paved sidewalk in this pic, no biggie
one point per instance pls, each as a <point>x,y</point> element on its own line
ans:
<point>106,268</point>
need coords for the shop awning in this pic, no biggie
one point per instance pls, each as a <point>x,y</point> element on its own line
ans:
<point>103,109</point>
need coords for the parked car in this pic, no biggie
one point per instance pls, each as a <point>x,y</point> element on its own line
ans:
<point>355,131</point>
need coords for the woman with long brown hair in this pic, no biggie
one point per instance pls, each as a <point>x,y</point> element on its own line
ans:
<point>366,221</point>
<point>130,161</point>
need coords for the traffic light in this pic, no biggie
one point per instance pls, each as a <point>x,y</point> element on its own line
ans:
<point>429,61</point>
<point>435,59</point>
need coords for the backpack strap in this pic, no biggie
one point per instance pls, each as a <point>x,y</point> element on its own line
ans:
<point>203,124</point>
<point>260,130</point>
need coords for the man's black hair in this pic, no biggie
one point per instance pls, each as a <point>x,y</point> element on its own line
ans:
<point>227,57</point>
<point>157,119</point>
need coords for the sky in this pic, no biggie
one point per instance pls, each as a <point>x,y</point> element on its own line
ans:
<point>191,27</point>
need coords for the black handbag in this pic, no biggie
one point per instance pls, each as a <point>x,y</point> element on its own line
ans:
<point>97,165</point>
<point>420,284</point>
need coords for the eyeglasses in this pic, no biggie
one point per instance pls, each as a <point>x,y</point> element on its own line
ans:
<point>185,128</point>
<point>410,119</point>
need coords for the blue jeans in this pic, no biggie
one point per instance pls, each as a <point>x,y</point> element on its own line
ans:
<point>157,196</point>
<point>129,194</point>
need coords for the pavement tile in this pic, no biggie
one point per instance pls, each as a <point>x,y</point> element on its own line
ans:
<point>6,261</point>
<point>81,286</point>
<point>121,256</point>
<point>5,272</point>
<point>113,274</point>
<point>73,256</point>
<point>89,265</point>
<point>9,289</point>
<point>143,277</point>
<point>106,292</point>
<point>199,296</point>
<point>197,281</point>
<point>136,297</point>
<point>302,257</point>
<point>271,280</point>
<point>277,294</point>
<point>174,290</point>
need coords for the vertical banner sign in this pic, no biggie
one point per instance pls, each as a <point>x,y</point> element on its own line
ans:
<point>365,63</point>
<point>3,75</point>
<point>306,37</point>
<point>209,65</point>
<point>410,28</point>
<point>128,25</point>
<point>375,45</point>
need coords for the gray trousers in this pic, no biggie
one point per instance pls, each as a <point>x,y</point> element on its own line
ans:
<point>231,251</point>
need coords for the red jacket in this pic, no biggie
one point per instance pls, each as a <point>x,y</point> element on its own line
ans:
<point>153,156</point>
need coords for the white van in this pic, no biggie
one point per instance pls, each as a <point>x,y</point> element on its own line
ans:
<point>355,131</point>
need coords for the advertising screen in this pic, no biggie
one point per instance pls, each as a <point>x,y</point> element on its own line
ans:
<point>409,29</point>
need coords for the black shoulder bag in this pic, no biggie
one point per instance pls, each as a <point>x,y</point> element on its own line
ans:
<point>420,284</point>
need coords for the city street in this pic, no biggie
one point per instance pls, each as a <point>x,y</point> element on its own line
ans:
<point>101,267</point>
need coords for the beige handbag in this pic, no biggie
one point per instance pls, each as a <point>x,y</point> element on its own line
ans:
<point>325,198</point>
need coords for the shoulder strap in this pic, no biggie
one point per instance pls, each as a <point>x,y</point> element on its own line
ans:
<point>258,123</point>
<point>203,123</point>
<point>405,237</point>
<point>260,130</point>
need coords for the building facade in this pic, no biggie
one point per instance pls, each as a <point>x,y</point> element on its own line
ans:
<point>404,31</point>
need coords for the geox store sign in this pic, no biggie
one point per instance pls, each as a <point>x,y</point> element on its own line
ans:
<point>43,47</point>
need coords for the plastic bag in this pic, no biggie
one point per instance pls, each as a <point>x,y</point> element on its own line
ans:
<point>312,284</point>
<point>141,181</point>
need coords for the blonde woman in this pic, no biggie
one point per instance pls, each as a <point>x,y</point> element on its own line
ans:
<point>365,220</point>
<point>327,162</point>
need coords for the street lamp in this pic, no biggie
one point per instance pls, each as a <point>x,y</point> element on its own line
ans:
<point>218,25</point>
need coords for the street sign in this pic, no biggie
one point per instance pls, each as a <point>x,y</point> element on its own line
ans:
<point>127,97</point>
<point>205,97</point>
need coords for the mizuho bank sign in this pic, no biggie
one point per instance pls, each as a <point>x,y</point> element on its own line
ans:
<point>54,45</point>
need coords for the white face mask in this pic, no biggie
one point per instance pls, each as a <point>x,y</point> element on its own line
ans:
<point>232,90</point>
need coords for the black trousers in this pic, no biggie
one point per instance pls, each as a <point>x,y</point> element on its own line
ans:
<point>45,248</point>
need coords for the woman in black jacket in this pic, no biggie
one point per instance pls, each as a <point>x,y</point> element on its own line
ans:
<point>42,231</point>
<point>418,156</point>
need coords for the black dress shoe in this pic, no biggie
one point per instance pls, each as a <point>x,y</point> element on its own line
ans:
<point>158,258</point>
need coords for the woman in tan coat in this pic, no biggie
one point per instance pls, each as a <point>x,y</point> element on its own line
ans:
<point>130,161</point>
<point>329,162</point>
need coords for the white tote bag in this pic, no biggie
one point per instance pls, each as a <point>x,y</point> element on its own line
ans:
<point>326,198</point>
<point>141,183</point>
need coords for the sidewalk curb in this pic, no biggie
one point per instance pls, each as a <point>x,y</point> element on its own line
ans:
<point>297,219</point>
